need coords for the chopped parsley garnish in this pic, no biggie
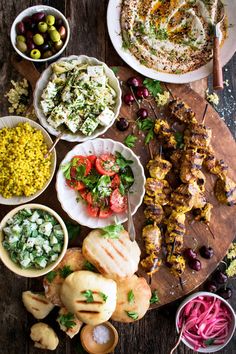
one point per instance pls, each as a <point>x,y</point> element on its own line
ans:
<point>133,315</point>
<point>65,271</point>
<point>89,266</point>
<point>130,140</point>
<point>130,296</point>
<point>154,299</point>
<point>115,69</point>
<point>153,86</point>
<point>51,275</point>
<point>66,170</point>
<point>89,295</point>
<point>67,320</point>
<point>147,125</point>
<point>103,296</point>
<point>112,231</point>
<point>121,161</point>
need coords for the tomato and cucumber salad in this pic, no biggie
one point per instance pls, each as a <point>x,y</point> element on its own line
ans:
<point>102,182</point>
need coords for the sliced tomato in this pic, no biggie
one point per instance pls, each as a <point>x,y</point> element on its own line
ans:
<point>115,183</point>
<point>83,193</point>
<point>89,198</point>
<point>77,185</point>
<point>92,159</point>
<point>82,160</point>
<point>106,165</point>
<point>92,211</point>
<point>105,213</point>
<point>118,201</point>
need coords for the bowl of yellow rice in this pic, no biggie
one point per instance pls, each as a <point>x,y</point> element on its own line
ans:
<point>24,171</point>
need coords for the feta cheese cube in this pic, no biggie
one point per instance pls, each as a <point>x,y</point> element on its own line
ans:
<point>100,80</point>
<point>89,125</point>
<point>96,70</point>
<point>105,117</point>
<point>58,116</point>
<point>73,122</point>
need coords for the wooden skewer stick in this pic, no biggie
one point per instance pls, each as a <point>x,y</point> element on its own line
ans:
<point>210,231</point>
<point>204,113</point>
<point>170,92</point>
<point>160,151</point>
<point>179,340</point>
<point>181,283</point>
<point>150,150</point>
<point>153,109</point>
<point>53,145</point>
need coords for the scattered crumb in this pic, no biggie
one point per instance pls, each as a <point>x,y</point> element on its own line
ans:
<point>18,97</point>
<point>162,98</point>
<point>212,97</point>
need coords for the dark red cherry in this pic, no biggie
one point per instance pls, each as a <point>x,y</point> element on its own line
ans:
<point>190,253</point>
<point>210,286</point>
<point>134,82</point>
<point>129,99</point>
<point>195,264</point>
<point>142,113</point>
<point>206,252</point>
<point>142,92</point>
<point>226,293</point>
<point>220,277</point>
<point>122,124</point>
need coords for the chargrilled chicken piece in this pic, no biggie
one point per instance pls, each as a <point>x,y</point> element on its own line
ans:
<point>176,263</point>
<point>183,198</point>
<point>225,191</point>
<point>165,134</point>
<point>154,212</point>
<point>158,167</point>
<point>176,159</point>
<point>152,239</point>
<point>197,136</point>
<point>203,214</point>
<point>200,180</point>
<point>176,223</point>
<point>182,112</point>
<point>191,164</point>
<point>157,191</point>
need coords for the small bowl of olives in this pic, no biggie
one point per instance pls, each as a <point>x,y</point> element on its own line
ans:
<point>40,33</point>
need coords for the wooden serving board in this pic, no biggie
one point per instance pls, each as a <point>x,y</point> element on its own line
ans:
<point>223,221</point>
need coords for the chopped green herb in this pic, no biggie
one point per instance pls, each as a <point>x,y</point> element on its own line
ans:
<point>122,188</point>
<point>66,170</point>
<point>115,69</point>
<point>149,136</point>
<point>112,231</point>
<point>153,86</point>
<point>73,230</point>
<point>133,315</point>
<point>67,320</point>
<point>80,171</point>
<point>121,161</point>
<point>209,342</point>
<point>131,296</point>
<point>103,296</point>
<point>154,299</point>
<point>145,124</point>
<point>89,295</point>
<point>65,271</point>
<point>130,140</point>
<point>179,139</point>
<point>89,266</point>
<point>51,275</point>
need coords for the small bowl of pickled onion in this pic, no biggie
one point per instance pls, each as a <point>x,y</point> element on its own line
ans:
<point>208,322</point>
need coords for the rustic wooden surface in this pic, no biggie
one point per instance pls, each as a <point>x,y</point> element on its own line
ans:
<point>155,333</point>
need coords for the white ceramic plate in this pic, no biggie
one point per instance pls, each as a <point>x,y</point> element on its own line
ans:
<point>227,51</point>
<point>10,122</point>
<point>42,82</point>
<point>67,196</point>
<point>29,12</point>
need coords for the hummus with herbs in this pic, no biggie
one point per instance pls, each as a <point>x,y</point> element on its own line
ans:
<point>174,36</point>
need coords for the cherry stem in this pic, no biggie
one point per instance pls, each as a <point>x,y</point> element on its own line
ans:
<point>204,113</point>
<point>131,89</point>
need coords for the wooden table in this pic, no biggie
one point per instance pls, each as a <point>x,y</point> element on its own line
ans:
<point>156,332</point>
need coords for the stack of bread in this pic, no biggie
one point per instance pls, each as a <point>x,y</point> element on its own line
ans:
<point>109,290</point>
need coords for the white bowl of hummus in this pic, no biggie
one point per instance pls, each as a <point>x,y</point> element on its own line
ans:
<point>170,41</point>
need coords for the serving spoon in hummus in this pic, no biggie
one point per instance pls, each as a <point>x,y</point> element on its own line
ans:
<point>217,67</point>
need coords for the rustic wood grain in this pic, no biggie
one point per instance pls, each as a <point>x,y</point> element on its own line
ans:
<point>155,333</point>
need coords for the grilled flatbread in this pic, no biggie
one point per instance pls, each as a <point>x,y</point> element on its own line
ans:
<point>90,296</point>
<point>68,322</point>
<point>116,259</point>
<point>52,285</point>
<point>37,304</point>
<point>133,300</point>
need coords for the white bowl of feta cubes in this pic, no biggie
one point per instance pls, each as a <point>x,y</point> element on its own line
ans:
<point>77,96</point>
<point>33,240</point>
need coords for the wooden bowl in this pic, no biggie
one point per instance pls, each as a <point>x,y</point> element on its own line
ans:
<point>92,347</point>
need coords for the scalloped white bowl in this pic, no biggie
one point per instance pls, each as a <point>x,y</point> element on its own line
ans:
<point>67,196</point>
<point>10,122</point>
<point>42,82</point>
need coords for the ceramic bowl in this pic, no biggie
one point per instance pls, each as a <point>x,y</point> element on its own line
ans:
<point>77,209</point>
<point>42,83</point>
<point>10,122</point>
<point>30,272</point>
<point>29,12</point>
<point>92,347</point>
<point>211,348</point>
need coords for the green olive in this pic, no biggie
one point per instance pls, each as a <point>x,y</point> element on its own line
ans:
<point>35,54</point>
<point>21,46</point>
<point>58,45</point>
<point>20,38</point>
<point>55,36</point>
<point>47,54</point>
<point>51,28</point>
<point>50,19</point>
<point>42,27</point>
<point>38,39</point>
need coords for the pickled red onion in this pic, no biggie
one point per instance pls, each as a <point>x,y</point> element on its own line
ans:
<point>206,321</point>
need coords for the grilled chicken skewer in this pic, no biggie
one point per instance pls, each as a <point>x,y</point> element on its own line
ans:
<point>152,238</point>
